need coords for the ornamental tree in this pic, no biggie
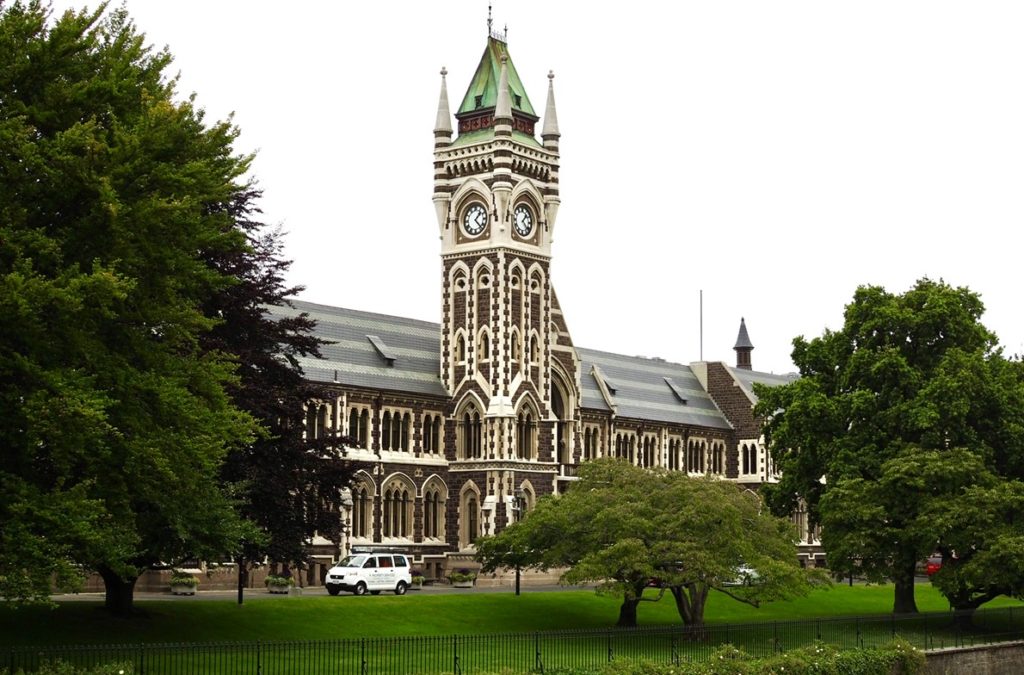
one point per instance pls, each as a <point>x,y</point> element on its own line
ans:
<point>288,485</point>
<point>892,418</point>
<point>623,526</point>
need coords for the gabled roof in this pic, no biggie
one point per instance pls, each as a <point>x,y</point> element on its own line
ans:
<point>746,379</point>
<point>370,350</point>
<point>391,353</point>
<point>647,389</point>
<point>483,88</point>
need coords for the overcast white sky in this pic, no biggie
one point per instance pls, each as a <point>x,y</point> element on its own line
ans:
<point>774,154</point>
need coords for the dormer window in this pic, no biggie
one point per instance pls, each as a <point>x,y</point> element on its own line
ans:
<point>519,100</point>
<point>478,101</point>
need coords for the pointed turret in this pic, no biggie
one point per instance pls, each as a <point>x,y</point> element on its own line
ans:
<point>502,185</point>
<point>443,125</point>
<point>503,106</point>
<point>550,133</point>
<point>743,347</point>
<point>479,110</point>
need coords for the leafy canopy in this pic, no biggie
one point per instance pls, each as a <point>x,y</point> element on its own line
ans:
<point>114,420</point>
<point>621,526</point>
<point>894,417</point>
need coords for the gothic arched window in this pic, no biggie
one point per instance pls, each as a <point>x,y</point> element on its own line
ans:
<point>362,511</point>
<point>434,500</point>
<point>460,348</point>
<point>525,435</point>
<point>470,434</point>
<point>397,506</point>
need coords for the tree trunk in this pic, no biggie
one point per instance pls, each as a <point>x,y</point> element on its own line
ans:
<point>627,612</point>
<point>690,602</point>
<point>904,602</point>
<point>243,577</point>
<point>120,593</point>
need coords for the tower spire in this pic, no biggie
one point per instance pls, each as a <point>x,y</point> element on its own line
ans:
<point>743,347</point>
<point>550,132</point>
<point>443,125</point>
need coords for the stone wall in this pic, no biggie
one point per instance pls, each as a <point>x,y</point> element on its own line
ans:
<point>1000,659</point>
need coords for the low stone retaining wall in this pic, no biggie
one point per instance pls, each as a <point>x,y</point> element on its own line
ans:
<point>998,659</point>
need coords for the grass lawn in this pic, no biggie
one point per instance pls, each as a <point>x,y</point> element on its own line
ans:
<point>316,618</point>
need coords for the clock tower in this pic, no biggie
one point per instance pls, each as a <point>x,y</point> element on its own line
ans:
<point>506,356</point>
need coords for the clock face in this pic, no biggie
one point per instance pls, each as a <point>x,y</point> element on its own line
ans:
<point>475,219</point>
<point>524,220</point>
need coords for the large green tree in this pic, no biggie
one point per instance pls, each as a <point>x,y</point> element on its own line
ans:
<point>114,419</point>
<point>893,417</point>
<point>622,526</point>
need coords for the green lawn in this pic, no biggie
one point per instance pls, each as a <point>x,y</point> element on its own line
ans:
<point>316,618</point>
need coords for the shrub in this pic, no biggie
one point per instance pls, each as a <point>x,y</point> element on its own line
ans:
<point>461,575</point>
<point>273,580</point>
<point>183,579</point>
<point>896,658</point>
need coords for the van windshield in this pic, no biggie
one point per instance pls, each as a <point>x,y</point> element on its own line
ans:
<point>352,561</point>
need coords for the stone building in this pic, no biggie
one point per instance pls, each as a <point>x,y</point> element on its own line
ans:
<point>462,423</point>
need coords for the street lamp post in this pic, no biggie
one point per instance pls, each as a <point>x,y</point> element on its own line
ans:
<point>518,507</point>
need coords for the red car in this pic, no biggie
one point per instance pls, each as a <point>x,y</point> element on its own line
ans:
<point>933,565</point>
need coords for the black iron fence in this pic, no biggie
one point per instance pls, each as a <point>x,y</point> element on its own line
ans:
<point>528,652</point>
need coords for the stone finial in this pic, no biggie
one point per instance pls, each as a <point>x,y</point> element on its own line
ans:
<point>550,130</point>
<point>443,125</point>
<point>503,107</point>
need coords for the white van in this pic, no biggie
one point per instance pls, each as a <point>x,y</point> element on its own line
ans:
<point>373,572</point>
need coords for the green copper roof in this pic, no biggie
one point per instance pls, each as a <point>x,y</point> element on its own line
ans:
<point>471,137</point>
<point>484,86</point>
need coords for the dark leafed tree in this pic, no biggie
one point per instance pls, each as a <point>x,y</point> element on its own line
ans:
<point>893,417</point>
<point>287,483</point>
<point>115,419</point>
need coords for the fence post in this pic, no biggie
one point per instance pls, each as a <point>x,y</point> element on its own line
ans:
<point>675,649</point>
<point>775,637</point>
<point>456,667</point>
<point>362,656</point>
<point>259,665</point>
<point>892,625</point>
<point>142,659</point>
<point>609,645</point>
<point>538,663</point>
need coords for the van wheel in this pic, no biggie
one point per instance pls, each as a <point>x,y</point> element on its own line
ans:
<point>360,589</point>
<point>400,588</point>
<point>374,592</point>
<point>333,590</point>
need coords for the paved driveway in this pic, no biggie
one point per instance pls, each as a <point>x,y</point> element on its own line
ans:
<point>314,591</point>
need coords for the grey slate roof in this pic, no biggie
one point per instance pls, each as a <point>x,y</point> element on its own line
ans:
<point>364,342</point>
<point>377,351</point>
<point>641,389</point>
<point>746,379</point>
